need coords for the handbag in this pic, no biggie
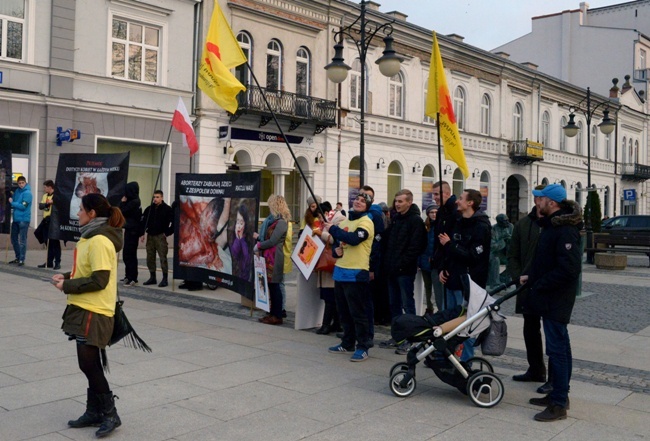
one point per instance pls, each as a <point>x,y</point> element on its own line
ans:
<point>326,261</point>
<point>495,338</point>
<point>122,329</point>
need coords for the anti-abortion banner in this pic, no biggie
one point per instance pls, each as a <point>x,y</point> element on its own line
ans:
<point>5,189</point>
<point>78,175</point>
<point>215,218</point>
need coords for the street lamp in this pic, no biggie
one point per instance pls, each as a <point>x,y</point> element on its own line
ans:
<point>389,63</point>
<point>571,130</point>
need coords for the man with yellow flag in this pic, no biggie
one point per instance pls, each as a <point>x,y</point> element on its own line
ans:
<point>439,105</point>
<point>220,54</point>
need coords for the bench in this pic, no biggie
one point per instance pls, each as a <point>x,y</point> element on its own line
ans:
<point>622,242</point>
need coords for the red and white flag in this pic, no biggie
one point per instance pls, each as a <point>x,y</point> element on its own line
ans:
<point>181,122</point>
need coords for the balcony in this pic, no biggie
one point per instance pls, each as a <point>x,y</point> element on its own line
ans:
<point>635,172</point>
<point>641,74</point>
<point>298,109</point>
<point>525,152</point>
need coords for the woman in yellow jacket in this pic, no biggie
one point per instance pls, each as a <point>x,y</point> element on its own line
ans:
<point>91,287</point>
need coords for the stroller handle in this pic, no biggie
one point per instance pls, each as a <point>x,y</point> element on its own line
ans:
<point>509,295</point>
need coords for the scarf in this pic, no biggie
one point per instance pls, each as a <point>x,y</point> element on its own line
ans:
<point>92,226</point>
<point>265,225</point>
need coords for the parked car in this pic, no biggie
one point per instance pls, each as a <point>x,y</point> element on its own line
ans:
<point>627,222</point>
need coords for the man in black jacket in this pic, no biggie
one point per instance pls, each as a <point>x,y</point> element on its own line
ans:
<point>466,251</point>
<point>406,239</point>
<point>158,222</point>
<point>445,220</point>
<point>553,280</point>
<point>132,211</point>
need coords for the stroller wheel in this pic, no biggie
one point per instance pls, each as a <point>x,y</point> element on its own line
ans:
<point>398,367</point>
<point>396,387</point>
<point>485,389</point>
<point>479,364</point>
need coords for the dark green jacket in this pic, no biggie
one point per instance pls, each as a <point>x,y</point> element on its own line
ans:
<point>522,250</point>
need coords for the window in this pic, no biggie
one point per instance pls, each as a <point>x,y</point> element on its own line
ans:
<point>428,178</point>
<point>606,203</point>
<point>485,114</point>
<point>303,85</point>
<point>246,43</point>
<point>485,191</point>
<point>396,94</point>
<point>355,85</point>
<point>546,129</point>
<point>579,138</point>
<point>624,151</point>
<point>631,152</point>
<point>518,122</point>
<point>12,25</point>
<point>594,141</point>
<point>394,179</point>
<point>135,52</point>
<point>458,182</point>
<point>563,123</point>
<point>642,59</point>
<point>459,107</point>
<point>354,178</point>
<point>427,119</point>
<point>274,65</point>
<point>608,147</point>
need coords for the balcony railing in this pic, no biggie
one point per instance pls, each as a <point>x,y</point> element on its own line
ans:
<point>525,151</point>
<point>642,74</point>
<point>635,172</point>
<point>299,109</point>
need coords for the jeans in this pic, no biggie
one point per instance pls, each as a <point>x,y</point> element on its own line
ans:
<point>351,303</point>
<point>19,239</point>
<point>283,290</point>
<point>400,295</point>
<point>454,297</point>
<point>560,360</point>
<point>438,290</point>
<point>428,287</point>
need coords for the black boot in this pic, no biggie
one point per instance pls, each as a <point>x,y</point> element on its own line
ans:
<point>327,319</point>
<point>93,414</point>
<point>163,283</point>
<point>152,280</point>
<point>110,418</point>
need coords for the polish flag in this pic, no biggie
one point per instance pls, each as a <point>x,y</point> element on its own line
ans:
<point>181,122</point>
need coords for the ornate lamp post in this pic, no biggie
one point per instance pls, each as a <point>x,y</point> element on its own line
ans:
<point>571,130</point>
<point>389,63</point>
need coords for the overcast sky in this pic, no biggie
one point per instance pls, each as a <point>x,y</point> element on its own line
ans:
<point>486,24</point>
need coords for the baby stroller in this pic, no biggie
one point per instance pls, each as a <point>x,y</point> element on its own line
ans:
<point>435,338</point>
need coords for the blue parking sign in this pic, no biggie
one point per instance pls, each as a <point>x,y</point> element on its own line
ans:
<point>629,195</point>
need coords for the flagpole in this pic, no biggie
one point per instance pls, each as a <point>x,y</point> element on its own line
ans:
<point>442,195</point>
<point>162,160</point>
<point>277,123</point>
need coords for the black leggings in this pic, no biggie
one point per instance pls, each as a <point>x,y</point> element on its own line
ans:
<point>90,364</point>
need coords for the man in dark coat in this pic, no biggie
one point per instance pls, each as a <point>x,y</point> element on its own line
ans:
<point>158,220</point>
<point>132,211</point>
<point>467,251</point>
<point>406,239</point>
<point>520,255</point>
<point>553,279</point>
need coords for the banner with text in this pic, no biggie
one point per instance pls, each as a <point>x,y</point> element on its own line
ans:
<point>78,175</point>
<point>215,219</point>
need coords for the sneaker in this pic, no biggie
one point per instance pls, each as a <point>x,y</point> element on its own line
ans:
<point>387,344</point>
<point>359,355</point>
<point>403,348</point>
<point>551,413</point>
<point>546,402</point>
<point>14,261</point>
<point>338,349</point>
<point>43,266</point>
<point>21,263</point>
<point>129,282</point>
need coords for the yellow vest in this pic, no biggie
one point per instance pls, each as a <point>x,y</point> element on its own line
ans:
<point>47,197</point>
<point>357,257</point>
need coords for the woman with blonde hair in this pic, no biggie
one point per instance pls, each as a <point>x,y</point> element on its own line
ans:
<point>269,245</point>
<point>88,319</point>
